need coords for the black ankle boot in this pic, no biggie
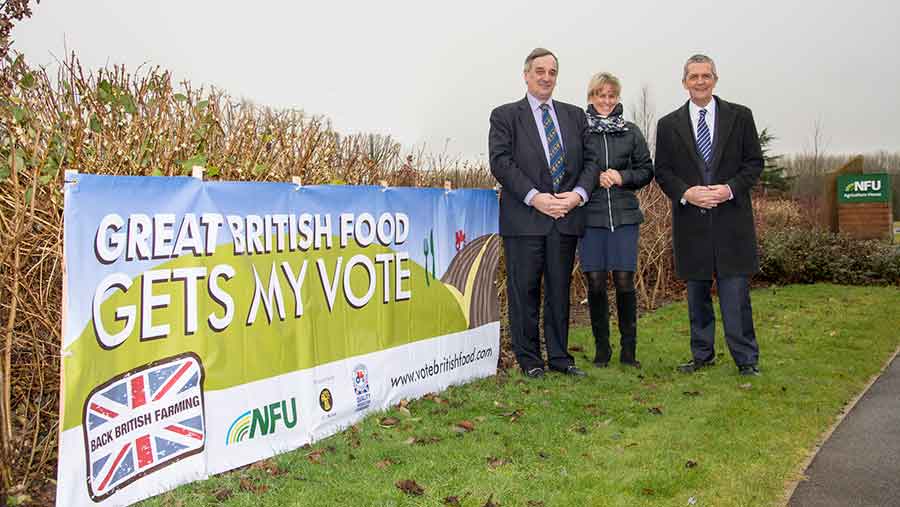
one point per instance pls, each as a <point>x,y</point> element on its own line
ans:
<point>599,310</point>
<point>626,304</point>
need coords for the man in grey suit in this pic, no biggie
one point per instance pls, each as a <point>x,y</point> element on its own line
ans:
<point>708,158</point>
<point>536,154</point>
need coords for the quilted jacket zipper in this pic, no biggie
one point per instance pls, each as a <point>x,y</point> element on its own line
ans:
<point>608,190</point>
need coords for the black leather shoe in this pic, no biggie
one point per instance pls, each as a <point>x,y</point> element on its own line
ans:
<point>535,372</point>
<point>599,363</point>
<point>749,370</point>
<point>574,371</point>
<point>693,365</point>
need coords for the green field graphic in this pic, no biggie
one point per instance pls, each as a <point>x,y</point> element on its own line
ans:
<point>241,353</point>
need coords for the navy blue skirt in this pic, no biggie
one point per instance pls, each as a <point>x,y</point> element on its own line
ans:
<point>603,250</point>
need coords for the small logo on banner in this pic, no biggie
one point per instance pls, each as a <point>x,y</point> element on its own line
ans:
<point>361,387</point>
<point>143,421</point>
<point>326,402</point>
<point>262,421</point>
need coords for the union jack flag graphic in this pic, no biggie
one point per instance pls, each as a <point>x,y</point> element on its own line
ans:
<point>142,421</point>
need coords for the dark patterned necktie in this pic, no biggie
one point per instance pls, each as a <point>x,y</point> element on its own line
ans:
<point>554,147</point>
<point>704,140</point>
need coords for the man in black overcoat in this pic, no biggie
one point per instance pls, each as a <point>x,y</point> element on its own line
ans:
<point>536,154</point>
<point>708,158</point>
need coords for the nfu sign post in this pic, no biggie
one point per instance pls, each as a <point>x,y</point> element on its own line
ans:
<point>864,205</point>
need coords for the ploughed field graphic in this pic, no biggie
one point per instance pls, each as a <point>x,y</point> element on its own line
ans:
<point>473,272</point>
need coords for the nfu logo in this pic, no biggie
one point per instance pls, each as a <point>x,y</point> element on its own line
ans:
<point>863,186</point>
<point>262,421</point>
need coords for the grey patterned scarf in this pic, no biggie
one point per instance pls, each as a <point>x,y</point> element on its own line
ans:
<point>612,124</point>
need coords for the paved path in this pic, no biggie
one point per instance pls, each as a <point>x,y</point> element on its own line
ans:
<point>859,465</point>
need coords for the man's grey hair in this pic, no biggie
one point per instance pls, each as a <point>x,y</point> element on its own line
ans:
<point>537,53</point>
<point>699,58</point>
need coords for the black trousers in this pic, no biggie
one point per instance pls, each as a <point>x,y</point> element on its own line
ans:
<point>737,319</point>
<point>528,260</point>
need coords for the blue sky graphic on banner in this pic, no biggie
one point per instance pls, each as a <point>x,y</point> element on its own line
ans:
<point>129,195</point>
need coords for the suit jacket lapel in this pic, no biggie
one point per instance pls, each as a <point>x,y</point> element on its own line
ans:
<point>724,124</point>
<point>527,125</point>
<point>686,132</point>
<point>565,130</point>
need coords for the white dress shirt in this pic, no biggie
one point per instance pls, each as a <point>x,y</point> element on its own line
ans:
<point>710,108</point>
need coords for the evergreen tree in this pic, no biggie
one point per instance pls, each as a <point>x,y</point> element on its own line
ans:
<point>773,178</point>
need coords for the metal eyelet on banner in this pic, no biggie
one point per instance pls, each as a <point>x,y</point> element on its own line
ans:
<point>70,178</point>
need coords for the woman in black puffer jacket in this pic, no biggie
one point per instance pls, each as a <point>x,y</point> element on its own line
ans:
<point>610,240</point>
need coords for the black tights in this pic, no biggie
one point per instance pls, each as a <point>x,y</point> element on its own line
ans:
<point>623,281</point>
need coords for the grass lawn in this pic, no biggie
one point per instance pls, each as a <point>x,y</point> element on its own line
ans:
<point>620,437</point>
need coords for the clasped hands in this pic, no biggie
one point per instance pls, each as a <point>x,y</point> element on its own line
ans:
<point>707,196</point>
<point>610,178</point>
<point>556,205</point>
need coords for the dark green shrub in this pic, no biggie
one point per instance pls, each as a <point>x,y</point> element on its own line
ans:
<point>808,255</point>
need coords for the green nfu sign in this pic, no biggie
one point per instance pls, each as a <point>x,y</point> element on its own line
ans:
<point>854,188</point>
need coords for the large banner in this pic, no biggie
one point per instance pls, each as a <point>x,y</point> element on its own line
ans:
<point>207,325</point>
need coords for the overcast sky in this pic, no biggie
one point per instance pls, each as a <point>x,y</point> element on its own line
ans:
<point>432,71</point>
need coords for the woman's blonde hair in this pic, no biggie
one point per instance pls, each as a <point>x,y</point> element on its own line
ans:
<point>600,80</point>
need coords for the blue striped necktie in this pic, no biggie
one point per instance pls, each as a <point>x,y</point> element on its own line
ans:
<point>704,140</point>
<point>554,147</point>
